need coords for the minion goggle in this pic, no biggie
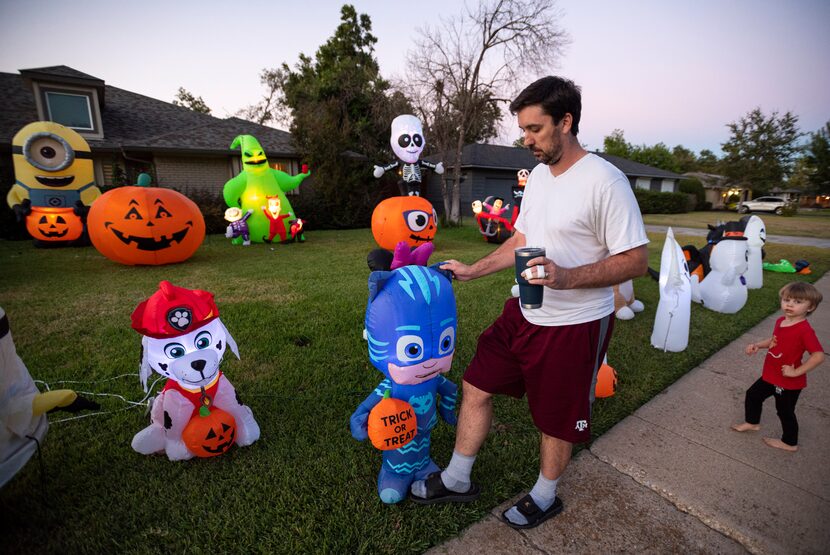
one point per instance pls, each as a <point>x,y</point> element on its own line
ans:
<point>49,152</point>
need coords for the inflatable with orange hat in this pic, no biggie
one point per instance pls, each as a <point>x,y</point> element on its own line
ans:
<point>197,412</point>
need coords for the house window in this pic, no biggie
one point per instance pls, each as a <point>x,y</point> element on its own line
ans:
<point>71,110</point>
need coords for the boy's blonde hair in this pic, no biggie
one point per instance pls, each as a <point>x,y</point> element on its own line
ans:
<point>801,291</point>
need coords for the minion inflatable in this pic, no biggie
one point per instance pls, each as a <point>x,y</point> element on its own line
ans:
<point>54,182</point>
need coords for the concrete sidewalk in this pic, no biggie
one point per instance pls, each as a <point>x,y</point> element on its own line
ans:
<point>674,478</point>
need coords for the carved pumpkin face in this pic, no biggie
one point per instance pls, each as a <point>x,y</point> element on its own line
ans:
<point>145,225</point>
<point>209,433</point>
<point>392,423</point>
<point>411,219</point>
<point>54,224</point>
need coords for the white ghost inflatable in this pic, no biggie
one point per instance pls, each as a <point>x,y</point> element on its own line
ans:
<point>18,423</point>
<point>407,142</point>
<point>671,323</point>
<point>184,341</point>
<point>724,288</point>
<point>756,238</point>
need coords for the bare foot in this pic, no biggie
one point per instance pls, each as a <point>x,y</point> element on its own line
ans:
<point>746,427</point>
<point>778,444</point>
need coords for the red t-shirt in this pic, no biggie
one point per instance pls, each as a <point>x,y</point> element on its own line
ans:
<point>789,345</point>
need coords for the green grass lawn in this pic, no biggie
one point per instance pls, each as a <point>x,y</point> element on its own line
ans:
<point>296,312</point>
<point>815,223</point>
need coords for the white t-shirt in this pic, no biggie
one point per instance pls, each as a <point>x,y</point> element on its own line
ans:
<point>582,216</point>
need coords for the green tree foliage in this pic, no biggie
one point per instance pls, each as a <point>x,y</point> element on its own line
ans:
<point>189,100</point>
<point>817,160</point>
<point>707,162</point>
<point>616,145</point>
<point>658,156</point>
<point>761,149</point>
<point>339,104</point>
<point>271,107</point>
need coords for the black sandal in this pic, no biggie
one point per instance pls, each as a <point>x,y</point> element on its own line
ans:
<point>437,492</point>
<point>532,513</point>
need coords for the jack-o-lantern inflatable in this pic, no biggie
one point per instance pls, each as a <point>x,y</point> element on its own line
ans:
<point>392,423</point>
<point>210,433</point>
<point>411,219</point>
<point>54,224</point>
<point>145,225</point>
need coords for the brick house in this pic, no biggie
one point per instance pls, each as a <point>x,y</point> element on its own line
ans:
<point>129,133</point>
<point>491,170</point>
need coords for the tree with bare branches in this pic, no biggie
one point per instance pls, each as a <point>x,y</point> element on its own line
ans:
<point>460,71</point>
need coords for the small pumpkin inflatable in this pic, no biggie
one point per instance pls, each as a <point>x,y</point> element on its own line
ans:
<point>392,423</point>
<point>45,223</point>
<point>211,433</point>
<point>606,382</point>
<point>145,225</point>
<point>411,219</point>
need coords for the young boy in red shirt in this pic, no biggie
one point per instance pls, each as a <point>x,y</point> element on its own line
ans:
<point>785,373</point>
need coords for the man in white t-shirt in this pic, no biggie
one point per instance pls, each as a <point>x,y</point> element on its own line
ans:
<point>583,211</point>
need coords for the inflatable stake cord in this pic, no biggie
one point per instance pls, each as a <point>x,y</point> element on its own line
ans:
<point>407,141</point>
<point>724,287</point>
<point>54,182</point>
<point>671,322</point>
<point>411,329</point>
<point>146,225</point>
<point>262,189</point>
<point>23,408</point>
<point>184,341</point>
<point>756,237</point>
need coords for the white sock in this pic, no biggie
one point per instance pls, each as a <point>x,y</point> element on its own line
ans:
<point>543,494</point>
<point>456,477</point>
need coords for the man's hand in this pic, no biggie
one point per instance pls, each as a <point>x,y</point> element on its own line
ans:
<point>543,271</point>
<point>460,271</point>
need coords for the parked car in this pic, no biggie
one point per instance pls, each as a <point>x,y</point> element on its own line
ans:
<point>763,204</point>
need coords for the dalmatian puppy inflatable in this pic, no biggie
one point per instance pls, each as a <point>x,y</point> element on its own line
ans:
<point>407,141</point>
<point>184,341</point>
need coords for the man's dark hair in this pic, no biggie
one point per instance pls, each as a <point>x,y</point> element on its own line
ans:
<point>556,96</point>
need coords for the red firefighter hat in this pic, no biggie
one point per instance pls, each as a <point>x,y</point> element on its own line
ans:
<point>173,311</point>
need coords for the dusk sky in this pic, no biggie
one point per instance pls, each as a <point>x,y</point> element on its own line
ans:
<point>663,71</point>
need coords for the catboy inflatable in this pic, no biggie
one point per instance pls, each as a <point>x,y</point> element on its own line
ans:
<point>411,330</point>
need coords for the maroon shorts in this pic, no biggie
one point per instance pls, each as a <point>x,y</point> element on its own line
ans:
<point>555,365</point>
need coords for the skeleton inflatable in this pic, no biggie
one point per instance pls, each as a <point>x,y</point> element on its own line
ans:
<point>184,341</point>
<point>408,142</point>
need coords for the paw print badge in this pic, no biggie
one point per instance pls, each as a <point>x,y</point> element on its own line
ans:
<point>179,318</point>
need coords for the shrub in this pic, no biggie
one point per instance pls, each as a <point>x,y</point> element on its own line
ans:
<point>212,205</point>
<point>653,202</point>
<point>789,209</point>
<point>694,187</point>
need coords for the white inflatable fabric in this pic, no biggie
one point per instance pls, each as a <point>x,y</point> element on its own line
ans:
<point>671,323</point>
<point>17,390</point>
<point>192,361</point>
<point>625,304</point>
<point>756,237</point>
<point>724,288</point>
